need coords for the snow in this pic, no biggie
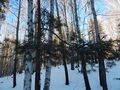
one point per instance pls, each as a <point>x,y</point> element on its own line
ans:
<point>76,79</point>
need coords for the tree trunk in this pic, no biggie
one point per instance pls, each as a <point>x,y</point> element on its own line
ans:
<point>87,84</point>
<point>77,23</point>
<point>102,73</point>
<point>49,49</point>
<point>16,45</point>
<point>72,59</point>
<point>48,74</point>
<point>28,71</point>
<point>65,65</point>
<point>62,47</point>
<point>65,18</point>
<point>38,53</point>
<point>95,21</point>
<point>77,30</point>
<point>28,54</point>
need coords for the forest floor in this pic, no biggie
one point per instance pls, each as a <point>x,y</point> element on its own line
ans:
<point>76,78</point>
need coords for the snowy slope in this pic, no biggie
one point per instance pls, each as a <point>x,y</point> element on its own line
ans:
<point>76,79</point>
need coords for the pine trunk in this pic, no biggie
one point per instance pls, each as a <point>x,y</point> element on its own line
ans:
<point>87,84</point>
<point>65,65</point>
<point>65,17</point>
<point>38,53</point>
<point>77,24</point>
<point>102,73</point>
<point>62,47</point>
<point>77,29</point>
<point>72,59</point>
<point>16,45</point>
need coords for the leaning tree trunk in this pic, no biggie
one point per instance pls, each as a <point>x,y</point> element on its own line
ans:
<point>62,47</point>
<point>87,84</point>
<point>49,49</point>
<point>28,53</point>
<point>65,64</point>
<point>16,47</point>
<point>102,74</point>
<point>38,53</point>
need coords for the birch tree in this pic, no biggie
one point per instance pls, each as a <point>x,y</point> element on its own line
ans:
<point>28,53</point>
<point>48,62</point>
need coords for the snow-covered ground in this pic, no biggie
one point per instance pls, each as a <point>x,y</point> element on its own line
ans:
<point>76,79</point>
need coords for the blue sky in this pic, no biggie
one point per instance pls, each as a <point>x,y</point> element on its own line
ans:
<point>100,6</point>
<point>9,29</point>
<point>10,18</point>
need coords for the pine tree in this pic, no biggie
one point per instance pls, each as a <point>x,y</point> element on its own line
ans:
<point>38,50</point>
<point>3,5</point>
<point>62,47</point>
<point>77,23</point>
<point>102,73</point>
<point>16,47</point>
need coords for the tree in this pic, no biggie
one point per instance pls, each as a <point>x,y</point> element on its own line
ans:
<point>62,46</point>
<point>65,18</point>
<point>38,48</point>
<point>77,23</point>
<point>28,53</point>
<point>77,29</point>
<point>49,48</point>
<point>72,51</point>
<point>102,74</point>
<point>83,53</point>
<point>91,32</point>
<point>6,59</point>
<point>16,46</point>
<point>3,5</point>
